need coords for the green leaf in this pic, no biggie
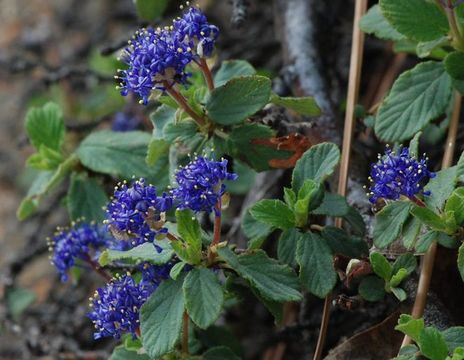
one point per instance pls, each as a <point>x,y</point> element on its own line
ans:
<point>417,97</point>
<point>220,336</point>
<point>309,197</point>
<point>245,143</point>
<point>417,19</point>
<point>286,246</point>
<point>203,296</point>
<point>176,270</point>
<point>161,318</point>
<point>232,68</point>
<point>150,10</point>
<point>461,261</point>
<point>220,353</point>
<point>454,65</point>
<point>189,247</point>
<point>42,185</point>
<point>381,266</point>
<point>405,261</point>
<point>429,218</point>
<point>18,300</point>
<point>426,240</point>
<point>399,276</point>
<point>273,281</point>
<point>273,212</point>
<point>156,149</point>
<point>45,159</point>
<point>356,222</point>
<point>142,253</point>
<point>454,337</point>
<point>317,164</point>
<point>238,99</point>
<point>430,48</point>
<point>315,259</point>
<point>332,205</point>
<point>256,231</point>
<point>121,154</point>
<point>411,229</point>
<point>86,198</point>
<point>389,222</point>
<point>302,105</point>
<point>45,126</point>
<point>289,197</point>
<point>455,203</point>
<point>399,293</point>
<point>410,326</point>
<point>375,23</point>
<point>343,244</point>
<point>432,344</point>
<point>441,188</point>
<point>121,353</point>
<point>414,145</point>
<point>409,350</point>
<point>372,288</point>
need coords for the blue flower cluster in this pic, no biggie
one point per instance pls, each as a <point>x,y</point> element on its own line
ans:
<point>200,184</point>
<point>157,58</point>
<point>136,212</point>
<point>81,242</point>
<point>116,307</point>
<point>397,174</point>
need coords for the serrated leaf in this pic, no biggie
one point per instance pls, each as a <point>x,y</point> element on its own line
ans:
<point>431,48</point>
<point>389,223</point>
<point>381,266</point>
<point>273,281</point>
<point>410,326</point>
<point>399,293</point>
<point>203,296</point>
<point>440,187</point>
<point>86,198</point>
<point>454,65</point>
<point>156,149</point>
<point>454,337</point>
<point>317,164</point>
<point>161,318</point>
<point>238,99</point>
<point>372,288</point>
<point>309,197</point>
<point>332,205</point>
<point>45,126</point>
<point>398,277</point>
<point>411,229</point>
<point>142,253</point>
<point>417,97</point>
<point>220,353</point>
<point>176,270</point>
<point>375,23</point>
<point>417,19</point>
<point>286,246</point>
<point>315,259</point>
<point>121,353</point>
<point>302,105</point>
<point>115,153</point>
<point>256,231</point>
<point>455,203</point>
<point>405,261</point>
<point>150,10</point>
<point>343,244</point>
<point>429,218</point>
<point>274,213</point>
<point>432,344</point>
<point>232,68</point>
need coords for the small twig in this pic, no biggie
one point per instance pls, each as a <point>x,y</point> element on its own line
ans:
<point>357,50</point>
<point>180,100</point>
<point>206,73</point>
<point>429,257</point>
<point>185,333</point>
<point>97,268</point>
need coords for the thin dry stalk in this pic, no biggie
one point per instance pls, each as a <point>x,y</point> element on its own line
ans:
<point>357,51</point>
<point>429,257</point>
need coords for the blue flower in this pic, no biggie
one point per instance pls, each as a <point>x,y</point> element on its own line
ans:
<point>116,307</point>
<point>81,242</point>
<point>200,184</point>
<point>124,122</point>
<point>194,27</point>
<point>136,212</point>
<point>397,174</point>
<point>154,58</point>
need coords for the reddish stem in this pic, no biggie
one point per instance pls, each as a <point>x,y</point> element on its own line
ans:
<point>138,333</point>
<point>417,201</point>
<point>182,102</point>
<point>185,334</point>
<point>171,237</point>
<point>206,73</point>
<point>97,268</point>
